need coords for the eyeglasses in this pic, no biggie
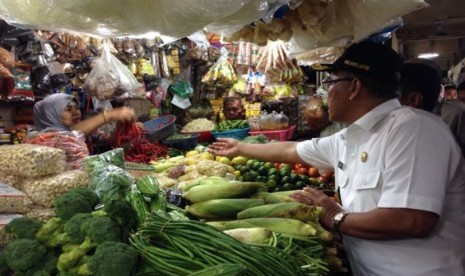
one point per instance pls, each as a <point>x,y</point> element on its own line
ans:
<point>327,83</point>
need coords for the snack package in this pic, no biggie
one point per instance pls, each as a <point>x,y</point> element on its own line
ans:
<point>70,142</point>
<point>12,200</point>
<point>109,77</point>
<point>31,161</point>
<point>22,83</point>
<point>42,191</point>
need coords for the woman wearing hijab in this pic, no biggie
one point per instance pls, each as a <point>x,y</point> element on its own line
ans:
<point>60,112</point>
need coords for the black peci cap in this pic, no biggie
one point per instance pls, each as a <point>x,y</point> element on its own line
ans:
<point>367,59</point>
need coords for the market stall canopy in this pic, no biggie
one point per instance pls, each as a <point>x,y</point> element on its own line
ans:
<point>325,21</point>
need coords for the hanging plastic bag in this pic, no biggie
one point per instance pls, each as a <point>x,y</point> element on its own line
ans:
<point>181,88</point>
<point>109,77</point>
<point>221,74</point>
<point>22,90</point>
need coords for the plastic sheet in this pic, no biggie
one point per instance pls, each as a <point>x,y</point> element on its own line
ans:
<point>121,18</point>
<point>331,23</point>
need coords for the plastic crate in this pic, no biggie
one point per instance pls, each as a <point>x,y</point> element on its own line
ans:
<point>160,128</point>
<point>204,136</point>
<point>184,143</point>
<point>281,135</point>
<point>238,134</point>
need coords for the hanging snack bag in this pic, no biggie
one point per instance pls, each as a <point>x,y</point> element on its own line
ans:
<point>109,77</point>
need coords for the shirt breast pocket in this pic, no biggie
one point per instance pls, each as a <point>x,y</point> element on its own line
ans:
<point>366,180</point>
<point>367,189</point>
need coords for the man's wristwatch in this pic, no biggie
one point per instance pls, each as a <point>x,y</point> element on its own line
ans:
<point>338,219</point>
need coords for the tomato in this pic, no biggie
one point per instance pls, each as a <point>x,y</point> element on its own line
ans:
<point>301,171</point>
<point>298,165</point>
<point>327,174</point>
<point>313,172</point>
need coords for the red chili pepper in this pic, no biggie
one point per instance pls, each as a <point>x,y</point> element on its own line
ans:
<point>136,147</point>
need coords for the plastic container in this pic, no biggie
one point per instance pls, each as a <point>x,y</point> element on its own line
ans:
<point>189,142</point>
<point>280,135</point>
<point>204,136</point>
<point>160,128</point>
<point>238,134</point>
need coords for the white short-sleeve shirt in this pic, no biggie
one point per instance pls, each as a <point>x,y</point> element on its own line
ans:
<point>399,157</point>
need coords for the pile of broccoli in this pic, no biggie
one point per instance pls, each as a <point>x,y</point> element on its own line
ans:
<point>78,241</point>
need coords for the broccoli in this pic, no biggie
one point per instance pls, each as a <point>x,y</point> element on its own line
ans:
<point>74,201</point>
<point>46,267</point>
<point>110,258</point>
<point>23,227</point>
<point>23,254</point>
<point>73,230</point>
<point>91,196</point>
<point>121,212</point>
<point>97,230</point>
<point>4,269</point>
<point>51,233</point>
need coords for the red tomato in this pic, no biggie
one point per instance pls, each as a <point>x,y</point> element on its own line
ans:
<point>301,170</point>
<point>313,172</point>
<point>298,165</point>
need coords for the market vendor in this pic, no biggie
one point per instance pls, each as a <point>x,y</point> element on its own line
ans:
<point>61,112</point>
<point>233,108</point>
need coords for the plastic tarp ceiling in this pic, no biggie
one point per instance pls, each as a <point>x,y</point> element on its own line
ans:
<point>352,19</point>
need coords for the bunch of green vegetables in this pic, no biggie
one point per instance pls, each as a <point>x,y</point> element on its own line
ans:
<point>171,247</point>
<point>147,197</point>
<point>78,241</point>
<point>231,124</point>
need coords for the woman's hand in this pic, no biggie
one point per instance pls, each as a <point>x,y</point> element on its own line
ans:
<point>316,197</point>
<point>225,147</point>
<point>122,115</point>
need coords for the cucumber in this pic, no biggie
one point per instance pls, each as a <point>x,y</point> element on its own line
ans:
<point>148,185</point>
<point>139,204</point>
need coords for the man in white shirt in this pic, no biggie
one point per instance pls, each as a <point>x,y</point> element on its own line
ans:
<point>398,170</point>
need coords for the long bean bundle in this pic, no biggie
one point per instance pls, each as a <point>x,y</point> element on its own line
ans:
<point>183,247</point>
<point>308,252</point>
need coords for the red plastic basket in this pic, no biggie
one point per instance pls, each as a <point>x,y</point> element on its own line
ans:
<point>281,135</point>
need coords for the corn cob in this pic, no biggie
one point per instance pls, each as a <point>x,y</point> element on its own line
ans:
<point>280,225</point>
<point>321,233</point>
<point>231,189</point>
<point>293,210</point>
<point>255,235</point>
<point>226,208</point>
<point>272,197</point>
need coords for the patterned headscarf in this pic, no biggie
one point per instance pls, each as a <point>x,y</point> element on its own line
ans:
<point>47,112</point>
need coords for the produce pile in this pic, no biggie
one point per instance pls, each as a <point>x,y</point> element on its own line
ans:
<point>206,224</point>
